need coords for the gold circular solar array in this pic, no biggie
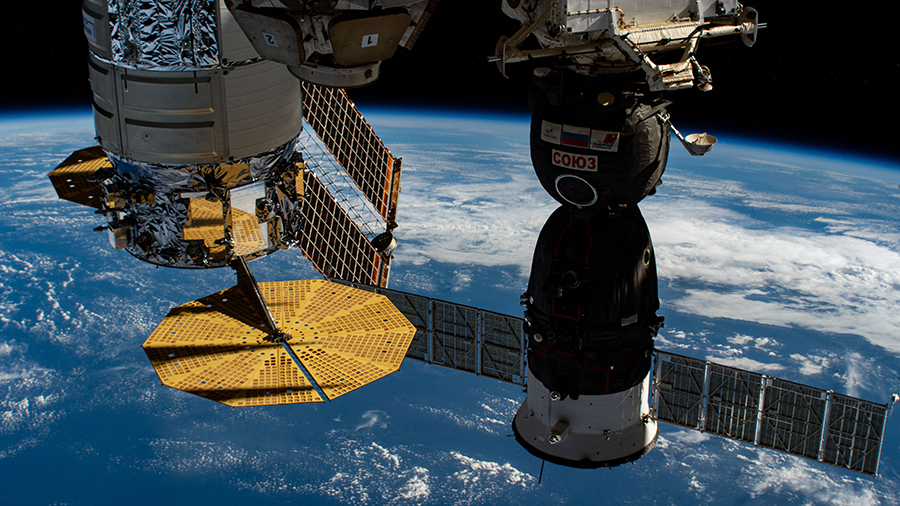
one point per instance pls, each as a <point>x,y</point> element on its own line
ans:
<point>345,337</point>
<point>216,347</point>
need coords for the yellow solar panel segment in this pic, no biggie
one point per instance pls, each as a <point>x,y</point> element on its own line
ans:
<point>203,347</point>
<point>71,178</point>
<point>345,337</point>
<point>216,346</point>
<point>248,236</point>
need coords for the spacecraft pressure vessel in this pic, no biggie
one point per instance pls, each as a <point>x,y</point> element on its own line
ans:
<point>199,132</point>
<point>591,312</point>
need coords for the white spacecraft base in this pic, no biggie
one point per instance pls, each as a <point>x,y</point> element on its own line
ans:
<point>591,431</point>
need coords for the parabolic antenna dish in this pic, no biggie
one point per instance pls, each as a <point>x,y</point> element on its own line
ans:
<point>218,347</point>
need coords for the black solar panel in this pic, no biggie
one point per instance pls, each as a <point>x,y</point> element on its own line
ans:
<point>770,412</point>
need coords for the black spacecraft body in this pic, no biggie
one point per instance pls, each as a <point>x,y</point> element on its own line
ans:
<point>596,144</point>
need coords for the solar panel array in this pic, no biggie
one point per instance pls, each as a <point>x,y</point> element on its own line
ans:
<point>347,135</point>
<point>742,405</point>
<point>72,178</point>
<point>693,393</point>
<point>334,244</point>
<point>218,347</point>
<point>462,337</point>
<point>770,412</point>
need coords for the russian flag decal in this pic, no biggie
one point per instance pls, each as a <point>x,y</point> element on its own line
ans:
<point>577,137</point>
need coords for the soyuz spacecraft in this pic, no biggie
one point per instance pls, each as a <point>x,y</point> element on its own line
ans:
<point>203,162</point>
<point>599,145</point>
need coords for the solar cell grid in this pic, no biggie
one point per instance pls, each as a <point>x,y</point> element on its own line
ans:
<point>680,385</point>
<point>733,403</point>
<point>502,349</point>
<point>854,434</point>
<point>217,348</point>
<point>792,418</point>
<point>351,140</point>
<point>72,178</point>
<point>332,242</point>
<point>770,412</point>
<point>455,330</point>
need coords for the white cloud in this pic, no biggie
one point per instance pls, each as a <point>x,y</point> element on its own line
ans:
<point>493,419</point>
<point>881,232</point>
<point>461,280</point>
<point>417,487</point>
<point>491,216</point>
<point>774,473</point>
<point>745,363</point>
<point>475,471</point>
<point>455,223</point>
<point>688,437</point>
<point>781,276</point>
<point>790,207</point>
<point>740,339</point>
<point>858,369</point>
<point>700,461</point>
<point>810,365</point>
<point>672,338</point>
<point>373,418</point>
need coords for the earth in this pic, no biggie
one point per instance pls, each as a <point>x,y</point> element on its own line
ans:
<point>772,257</point>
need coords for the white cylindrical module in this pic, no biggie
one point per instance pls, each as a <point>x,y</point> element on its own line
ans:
<point>170,107</point>
<point>195,117</point>
<point>200,131</point>
<point>588,432</point>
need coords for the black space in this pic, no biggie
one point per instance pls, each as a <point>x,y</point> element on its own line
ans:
<point>818,75</point>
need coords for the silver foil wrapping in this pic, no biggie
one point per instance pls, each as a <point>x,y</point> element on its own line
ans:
<point>157,231</point>
<point>151,200</point>
<point>164,34</point>
<point>200,177</point>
